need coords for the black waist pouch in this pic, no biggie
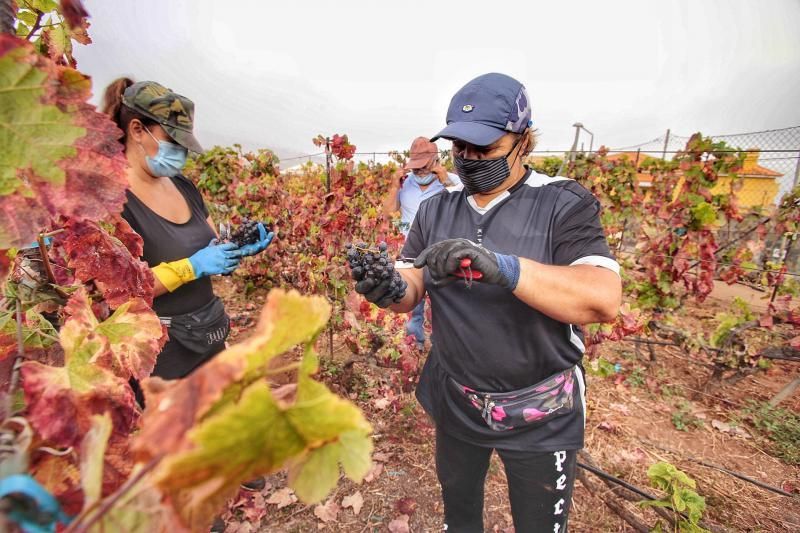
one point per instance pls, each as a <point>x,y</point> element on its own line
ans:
<point>203,331</point>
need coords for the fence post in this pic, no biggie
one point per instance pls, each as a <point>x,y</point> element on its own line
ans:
<point>569,156</point>
<point>328,163</point>
<point>796,172</point>
<point>666,144</point>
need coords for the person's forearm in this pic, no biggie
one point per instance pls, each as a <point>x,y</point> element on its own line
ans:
<point>158,287</point>
<point>580,294</point>
<point>392,203</point>
<point>414,292</point>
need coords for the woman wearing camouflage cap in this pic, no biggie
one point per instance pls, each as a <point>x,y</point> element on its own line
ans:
<point>168,212</point>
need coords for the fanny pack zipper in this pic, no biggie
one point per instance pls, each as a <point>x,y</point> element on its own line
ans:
<point>488,405</point>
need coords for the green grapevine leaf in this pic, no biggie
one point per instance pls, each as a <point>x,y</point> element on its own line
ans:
<point>93,450</point>
<point>223,425</point>
<point>37,332</point>
<point>36,135</point>
<point>317,473</point>
<point>58,156</point>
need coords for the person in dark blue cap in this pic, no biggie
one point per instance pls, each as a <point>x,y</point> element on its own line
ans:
<point>514,263</point>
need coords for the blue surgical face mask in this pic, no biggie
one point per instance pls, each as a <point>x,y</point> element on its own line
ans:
<point>424,180</point>
<point>170,159</point>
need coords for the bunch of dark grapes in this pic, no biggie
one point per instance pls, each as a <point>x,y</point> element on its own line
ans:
<point>246,233</point>
<point>366,262</point>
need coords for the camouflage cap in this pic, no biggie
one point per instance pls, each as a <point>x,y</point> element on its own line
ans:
<point>175,113</point>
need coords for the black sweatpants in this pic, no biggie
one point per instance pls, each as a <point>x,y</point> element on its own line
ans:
<point>539,485</point>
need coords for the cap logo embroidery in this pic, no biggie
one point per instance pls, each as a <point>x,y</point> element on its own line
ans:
<point>467,108</point>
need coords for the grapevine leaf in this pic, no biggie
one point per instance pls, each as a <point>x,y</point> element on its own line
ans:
<point>61,400</point>
<point>135,338</point>
<point>314,476</point>
<point>37,332</point>
<point>45,6</point>
<point>61,477</point>
<point>117,274</point>
<point>222,425</point>
<point>126,343</point>
<point>93,449</point>
<point>59,156</point>
<point>5,265</point>
<point>36,135</point>
<point>132,240</point>
<point>241,441</point>
<point>355,454</point>
<point>286,320</point>
<point>141,510</point>
<point>292,319</point>
<point>318,414</point>
<point>57,45</point>
<point>74,12</point>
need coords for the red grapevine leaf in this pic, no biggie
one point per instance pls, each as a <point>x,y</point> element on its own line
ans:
<point>132,240</point>
<point>60,156</point>
<point>135,338</point>
<point>94,255</point>
<point>61,477</point>
<point>8,345</point>
<point>61,400</point>
<point>5,265</point>
<point>74,12</point>
<point>126,343</point>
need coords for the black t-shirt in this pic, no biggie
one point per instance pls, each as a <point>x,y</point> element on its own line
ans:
<point>483,336</point>
<point>166,241</point>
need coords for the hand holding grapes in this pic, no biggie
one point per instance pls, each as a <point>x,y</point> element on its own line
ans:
<point>251,237</point>
<point>375,275</point>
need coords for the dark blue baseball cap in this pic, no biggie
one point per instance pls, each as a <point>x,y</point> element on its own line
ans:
<point>487,108</point>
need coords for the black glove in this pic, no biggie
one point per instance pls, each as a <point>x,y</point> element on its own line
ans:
<point>376,277</point>
<point>443,259</point>
<point>380,292</point>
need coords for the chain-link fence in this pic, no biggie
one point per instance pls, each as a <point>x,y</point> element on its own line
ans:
<point>771,169</point>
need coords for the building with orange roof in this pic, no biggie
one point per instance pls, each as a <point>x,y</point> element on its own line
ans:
<point>760,185</point>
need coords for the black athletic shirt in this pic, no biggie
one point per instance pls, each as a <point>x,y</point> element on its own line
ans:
<point>486,338</point>
<point>166,241</point>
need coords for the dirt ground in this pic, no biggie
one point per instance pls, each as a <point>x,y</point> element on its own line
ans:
<point>630,425</point>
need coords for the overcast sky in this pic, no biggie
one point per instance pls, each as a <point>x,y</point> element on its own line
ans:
<point>269,74</point>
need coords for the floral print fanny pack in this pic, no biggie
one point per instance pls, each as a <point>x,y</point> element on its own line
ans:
<point>503,411</point>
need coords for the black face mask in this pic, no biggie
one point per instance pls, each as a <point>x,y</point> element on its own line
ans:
<point>480,176</point>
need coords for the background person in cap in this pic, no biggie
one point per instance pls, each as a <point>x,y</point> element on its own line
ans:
<point>504,371</point>
<point>168,212</point>
<point>422,177</point>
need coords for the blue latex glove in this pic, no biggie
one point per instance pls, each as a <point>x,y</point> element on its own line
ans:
<point>33,508</point>
<point>215,259</point>
<point>259,246</point>
<point>35,244</point>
